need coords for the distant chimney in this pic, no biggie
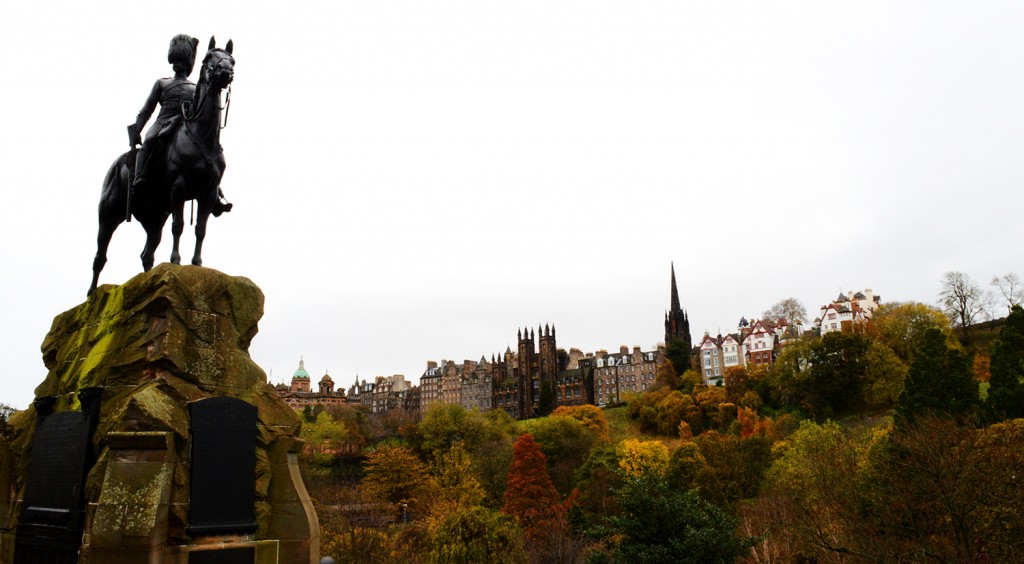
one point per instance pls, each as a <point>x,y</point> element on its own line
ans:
<point>636,350</point>
<point>431,365</point>
<point>623,349</point>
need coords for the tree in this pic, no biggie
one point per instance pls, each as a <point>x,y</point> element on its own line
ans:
<point>457,487</point>
<point>962,300</point>
<point>393,473</point>
<point>591,416</point>
<point>900,326</point>
<point>478,534</point>
<point>639,458</point>
<point>6,411</point>
<point>939,382</point>
<point>1006,370</point>
<point>357,544</point>
<point>790,308</point>
<point>566,444</point>
<point>546,402</point>
<point>530,495</point>
<point>678,354</point>
<point>884,375</point>
<point>838,366</point>
<point>1010,288</point>
<point>661,524</point>
<point>447,424</point>
<point>325,437</point>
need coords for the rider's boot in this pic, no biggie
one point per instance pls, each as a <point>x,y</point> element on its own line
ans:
<point>140,166</point>
<point>221,204</point>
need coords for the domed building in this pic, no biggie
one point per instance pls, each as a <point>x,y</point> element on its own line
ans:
<point>299,394</point>
<point>300,379</point>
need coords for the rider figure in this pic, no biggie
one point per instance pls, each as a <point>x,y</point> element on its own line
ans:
<point>170,93</point>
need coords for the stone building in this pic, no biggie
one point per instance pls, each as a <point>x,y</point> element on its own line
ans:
<point>624,372</point>
<point>847,311</point>
<point>299,393</point>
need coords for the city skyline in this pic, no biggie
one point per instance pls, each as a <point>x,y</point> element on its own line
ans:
<point>413,180</point>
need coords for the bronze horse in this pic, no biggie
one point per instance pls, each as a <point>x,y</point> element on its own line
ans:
<point>188,167</point>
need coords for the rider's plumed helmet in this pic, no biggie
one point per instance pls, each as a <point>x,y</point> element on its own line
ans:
<point>182,53</point>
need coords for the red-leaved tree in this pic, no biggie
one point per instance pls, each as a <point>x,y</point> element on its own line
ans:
<point>530,496</point>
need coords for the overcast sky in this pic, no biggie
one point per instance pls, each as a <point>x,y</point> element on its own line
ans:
<point>415,180</point>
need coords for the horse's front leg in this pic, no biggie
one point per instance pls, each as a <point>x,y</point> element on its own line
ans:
<point>205,208</point>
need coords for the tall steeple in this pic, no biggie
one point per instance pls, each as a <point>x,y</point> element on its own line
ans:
<point>675,291</point>
<point>677,322</point>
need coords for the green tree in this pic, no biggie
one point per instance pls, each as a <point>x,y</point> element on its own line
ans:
<point>478,534</point>
<point>939,382</point>
<point>678,354</point>
<point>566,444</point>
<point>546,402</point>
<point>660,524</point>
<point>446,424</point>
<point>838,366</point>
<point>1006,394</point>
<point>884,375</point>
<point>787,379</point>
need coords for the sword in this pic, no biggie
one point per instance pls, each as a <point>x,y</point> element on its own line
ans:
<point>134,140</point>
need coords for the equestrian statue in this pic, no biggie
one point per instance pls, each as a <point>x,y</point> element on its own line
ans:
<point>180,160</point>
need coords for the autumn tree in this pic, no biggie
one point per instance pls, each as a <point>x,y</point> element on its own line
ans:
<point>962,300</point>
<point>530,496</point>
<point>814,491</point>
<point>590,416</point>
<point>638,457</point>
<point>733,467</point>
<point>939,382</point>
<point>456,484</point>
<point>393,473</point>
<point>324,437</point>
<point>478,534</point>
<point>901,325</point>
<point>790,308</point>
<point>487,437</point>
<point>1010,288</point>
<point>357,545</point>
<point>566,443</point>
<point>1006,370</point>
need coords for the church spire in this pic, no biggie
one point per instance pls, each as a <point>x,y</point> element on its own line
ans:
<point>675,292</point>
<point>677,322</point>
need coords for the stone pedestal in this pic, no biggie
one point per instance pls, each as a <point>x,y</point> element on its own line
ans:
<point>167,338</point>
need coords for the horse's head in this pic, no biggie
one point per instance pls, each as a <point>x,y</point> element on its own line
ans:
<point>218,65</point>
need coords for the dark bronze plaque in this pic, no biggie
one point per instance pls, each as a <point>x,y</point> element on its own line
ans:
<point>56,470</point>
<point>244,555</point>
<point>223,467</point>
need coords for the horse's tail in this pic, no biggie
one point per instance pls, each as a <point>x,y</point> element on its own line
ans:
<point>114,195</point>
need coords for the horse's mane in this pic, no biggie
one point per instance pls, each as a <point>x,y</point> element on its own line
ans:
<point>202,78</point>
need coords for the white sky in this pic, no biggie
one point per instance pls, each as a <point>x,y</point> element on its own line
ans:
<point>415,180</point>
